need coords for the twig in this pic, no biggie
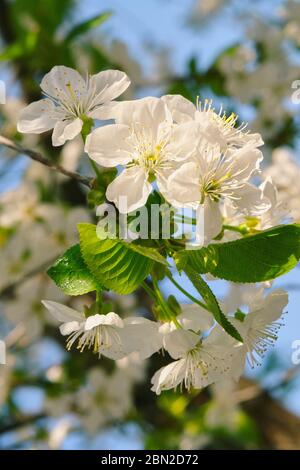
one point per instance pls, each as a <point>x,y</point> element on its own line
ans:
<point>44,161</point>
<point>24,421</point>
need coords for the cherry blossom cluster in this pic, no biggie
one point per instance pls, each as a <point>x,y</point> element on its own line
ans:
<point>196,157</point>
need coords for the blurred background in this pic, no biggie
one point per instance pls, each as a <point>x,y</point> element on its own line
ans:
<point>243,55</point>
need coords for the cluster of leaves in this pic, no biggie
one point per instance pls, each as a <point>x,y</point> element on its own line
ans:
<point>113,264</point>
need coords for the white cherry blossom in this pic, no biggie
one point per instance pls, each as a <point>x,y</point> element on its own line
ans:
<point>70,101</point>
<point>216,128</point>
<point>145,142</point>
<point>102,333</point>
<point>213,177</point>
<point>259,327</point>
<point>199,360</point>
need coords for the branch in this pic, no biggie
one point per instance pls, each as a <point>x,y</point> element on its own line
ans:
<point>24,421</point>
<point>44,161</point>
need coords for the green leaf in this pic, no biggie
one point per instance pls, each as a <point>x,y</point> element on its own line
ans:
<point>211,302</point>
<point>71,274</point>
<point>254,258</point>
<point>87,25</point>
<point>149,252</point>
<point>117,265</point>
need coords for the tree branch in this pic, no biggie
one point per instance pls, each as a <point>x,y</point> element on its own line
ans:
<point>24,421</point>
<point>44,161</point>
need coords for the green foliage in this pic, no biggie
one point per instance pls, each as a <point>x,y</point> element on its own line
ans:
<point>71,274</point>
<point>86,26</point>
<point>254,258</point>
<point>116,264</point>
<point>97,195</point>
<point>211,302</point>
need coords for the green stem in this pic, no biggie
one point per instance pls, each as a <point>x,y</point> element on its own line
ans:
<point>86,129</point>
<point>95,168</point>
<point>163,304</point>
<point>189,296</point>
<point>99,302</point>
<point>239,229</point>
<point>187,220</point>
<point>148,290</point>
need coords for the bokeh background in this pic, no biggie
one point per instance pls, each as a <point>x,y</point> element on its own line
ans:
<point>243,55</point>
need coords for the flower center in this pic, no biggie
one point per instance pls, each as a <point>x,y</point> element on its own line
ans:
<point>98,338</point>
<point>212,187</point>
<point>148,156</point>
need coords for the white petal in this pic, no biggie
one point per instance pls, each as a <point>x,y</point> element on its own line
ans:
<point>132,186</point>
<point>210,221</point>
<point>147,112</point>
<point>194,317</point>
<point>107,86</point>
<point>109,145</point>
<point>36,117</point>
<point>242,138</point>
<point>168,377</point>
<point>271,309</point>
<point>62,83</point>
<point>183,186</point>
<point>251,200</point>
<point>184,139</point>
<point>111,319</point>
<point>142,336</point>
<point>269,190</point>
<point>62,313</point>
<point>68,328</point>
<point>66,130</point>
<point>247,161</point>
<point>238,362</point>
<point>117,348</point>
<point>181,109</point>
<point>179,342</point>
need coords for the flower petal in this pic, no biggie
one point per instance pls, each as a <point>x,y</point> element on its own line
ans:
<point>247,161</point>
<point>251,200</point>
<point>145,112</point>
<point>62,313</point>
<point>143,336</point>
<point>69,327</point>
<point>66,130</point>
<point>194,317</point>
<point>129,190</point>
<point>271,309</point>
<point>107,86</point>
<point>182,110</point>
<point>111,319</point>
<point>168,377</point>
<point>184,139</point>
<point>183,186</point>
<point>209,222</point>
<point>109,145</point>
<point>63,83</point>
<point>179,342</point>
<point>36,117</point>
